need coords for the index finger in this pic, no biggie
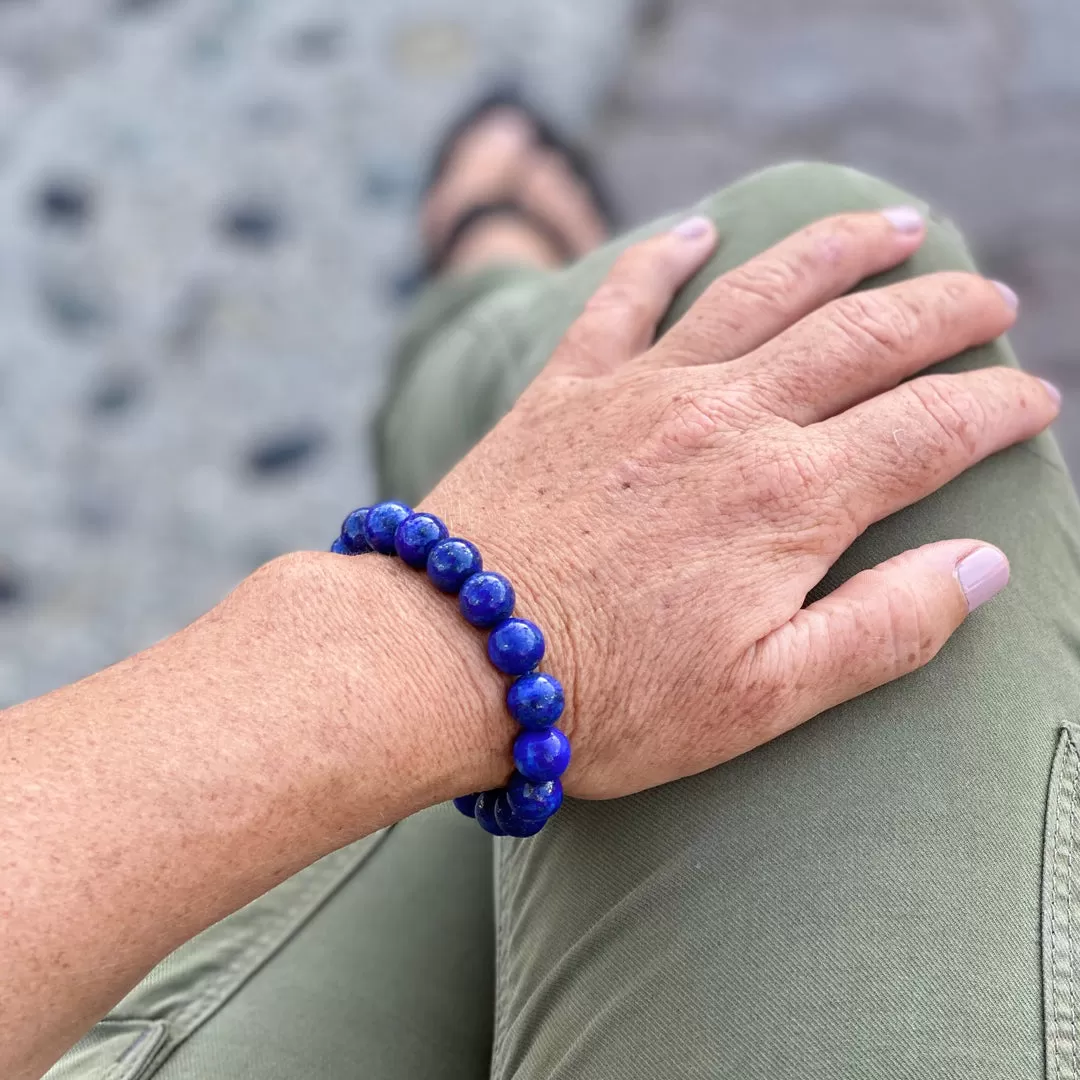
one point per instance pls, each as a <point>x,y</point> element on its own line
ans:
<point>753,303</point>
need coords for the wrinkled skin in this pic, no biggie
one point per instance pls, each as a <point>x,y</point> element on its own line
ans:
<point>665,508</point>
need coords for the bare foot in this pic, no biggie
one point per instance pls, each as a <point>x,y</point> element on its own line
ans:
<point>499,159</point>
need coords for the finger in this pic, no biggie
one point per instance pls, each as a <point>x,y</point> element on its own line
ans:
<point>620,319</point>
<point>751,304</point>
<point>867,342</point>
<point>897,448</point>
<point>879,625</point>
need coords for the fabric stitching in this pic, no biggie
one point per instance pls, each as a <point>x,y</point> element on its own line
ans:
<point>1063,1046</point>
<point>247,960</point>
<point>129,1063</point>
<point>1054,918</point>
<point>1070,981</point>
<point>500,959</point>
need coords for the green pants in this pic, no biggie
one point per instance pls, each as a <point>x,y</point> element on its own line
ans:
<point>888,891</point>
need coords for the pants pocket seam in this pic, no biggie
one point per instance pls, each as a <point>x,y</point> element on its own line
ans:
<point>1059,885</point>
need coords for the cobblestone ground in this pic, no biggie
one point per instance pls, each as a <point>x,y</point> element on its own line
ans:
<point>205,206</point>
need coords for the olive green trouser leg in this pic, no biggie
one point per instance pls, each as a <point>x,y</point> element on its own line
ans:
<point>375,963</point>
<point>866,897</point>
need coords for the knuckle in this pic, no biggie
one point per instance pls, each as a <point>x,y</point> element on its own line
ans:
<point>909,641</point>
<point>955,414</point>
<point>691,419</point>
<point>957,287</point>
<point>807,474</point>
<point>877,321</point>
<point>622,298</point>
<point>578,340</point>
<point>797,489</point>
<point>769,280</point>
<point>827,240</point>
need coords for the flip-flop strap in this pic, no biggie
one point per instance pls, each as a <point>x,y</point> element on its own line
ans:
<point>509,96</point>
<point>511,208</point>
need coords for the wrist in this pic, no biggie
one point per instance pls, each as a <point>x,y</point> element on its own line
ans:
<point>418,712</point>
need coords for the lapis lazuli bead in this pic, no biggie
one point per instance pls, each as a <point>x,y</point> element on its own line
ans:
<point>485,812</point>
<point>452,562</point>
<point>536,701</point>
<point>542,755</point>
<point>516,646</point>
<point>531,800</point>
<point>467,804</point>
<point>338,547</point>
<point>416,536</point>
<point>381,524</point>
<point>511,823</point>
<point>352,532</point>
<point>486,599</point>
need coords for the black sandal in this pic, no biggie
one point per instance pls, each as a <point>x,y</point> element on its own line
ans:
<point>547,135</point>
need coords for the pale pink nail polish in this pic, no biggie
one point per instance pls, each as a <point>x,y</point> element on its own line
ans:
<point>904,219</point>
<point>982,575</point>
<point>693,228</point>
<point>1010,297</point>
<point>1052,390</point>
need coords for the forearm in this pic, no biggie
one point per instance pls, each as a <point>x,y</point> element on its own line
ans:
<point>324,699</point>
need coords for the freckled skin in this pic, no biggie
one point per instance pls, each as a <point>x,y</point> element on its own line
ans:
<point>748,448</point>
<point>694,491</point>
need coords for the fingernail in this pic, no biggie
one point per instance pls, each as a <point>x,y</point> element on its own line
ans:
<point>1052,390</point>
<point>982,575</point>
<point>693,228</point>
<point>1010,297</point>
<point>905,219</point>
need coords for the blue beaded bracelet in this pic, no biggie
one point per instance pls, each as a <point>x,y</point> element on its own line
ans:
<point>515,646</point>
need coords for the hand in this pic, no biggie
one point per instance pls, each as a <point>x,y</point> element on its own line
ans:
<point>664,509</point>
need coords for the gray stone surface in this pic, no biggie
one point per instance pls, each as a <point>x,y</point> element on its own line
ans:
<point>205,206</point>
<point>970,103</point>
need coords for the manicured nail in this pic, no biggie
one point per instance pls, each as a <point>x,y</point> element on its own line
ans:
<point>1053,391</point>
<point>1010,297</point>
<point>693,228</point>
<point>905,219</point>
<point>982,575</point>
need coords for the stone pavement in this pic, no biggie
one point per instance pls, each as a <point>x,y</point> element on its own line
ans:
<point>205,206</point>
<point>971,103</point>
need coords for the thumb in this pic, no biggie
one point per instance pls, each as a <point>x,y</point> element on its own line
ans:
<point>885,622</point>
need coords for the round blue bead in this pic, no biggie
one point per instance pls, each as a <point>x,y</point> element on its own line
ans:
<point>516,646</point>
<point>467,804</point>
<point>416,536</point>
<point>452,562</point>
<point>352,532</point>
<point>486,599</point>
<point>381,524</point>
<point>485,812</point>
<point>542,755</point>
<point>511,823</point>
<point>536,701</point>
<point>338,547</point>
<point>531,800</point>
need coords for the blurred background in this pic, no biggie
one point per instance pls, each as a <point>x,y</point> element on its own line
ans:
<point>206,207</point>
